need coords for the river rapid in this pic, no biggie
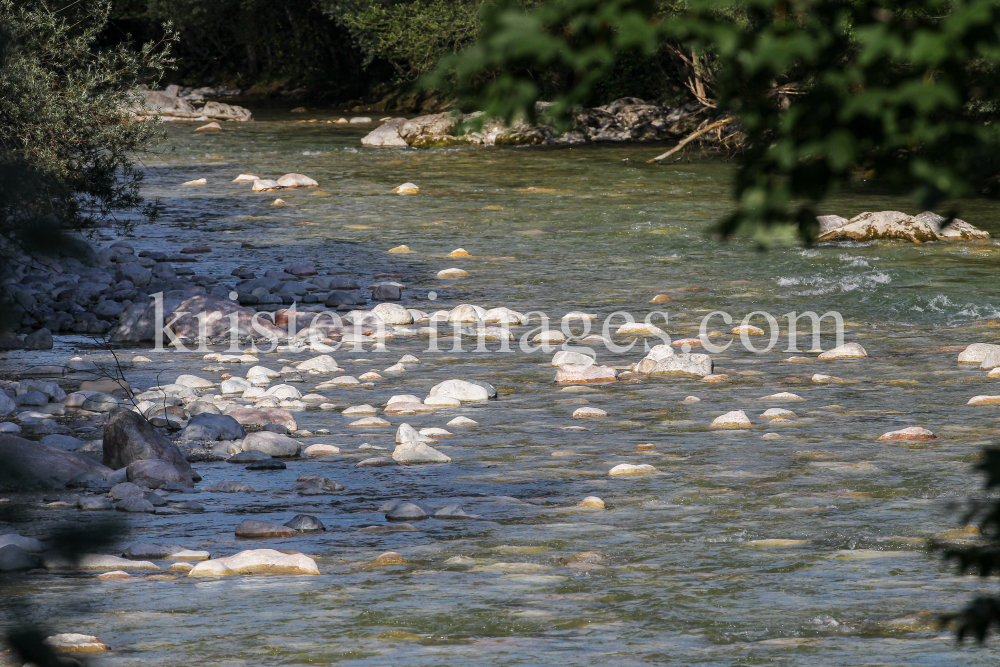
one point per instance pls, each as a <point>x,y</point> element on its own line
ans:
<point>801,549</point>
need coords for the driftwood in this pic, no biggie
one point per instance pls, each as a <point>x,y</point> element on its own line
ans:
<point>691,137</point>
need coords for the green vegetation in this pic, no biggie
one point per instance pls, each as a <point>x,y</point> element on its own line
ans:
<point>67,137</point>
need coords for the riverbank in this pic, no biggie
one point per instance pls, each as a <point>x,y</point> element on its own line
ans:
<point>818,531</point>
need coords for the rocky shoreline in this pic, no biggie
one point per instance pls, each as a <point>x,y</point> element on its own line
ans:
<point>628,119</point>
<point>178,104</point>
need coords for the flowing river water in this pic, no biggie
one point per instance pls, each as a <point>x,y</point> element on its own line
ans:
<point>689,579</point>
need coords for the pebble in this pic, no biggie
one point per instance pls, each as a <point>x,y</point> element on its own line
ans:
<point>660,298</point>
<point>819,377</point>
<point>691,399</point>
<point>459,252</point>
<point>591,501</point>
<point>748,329</point>
<point>639,329</point>
<point>909,433</point>
<point>777,413</point>
<point>631,469</point>
<point>404,512</point>
<point>585,374</point>
<point>783,396</point>
<point>245,178</point>
<point>733,418</point>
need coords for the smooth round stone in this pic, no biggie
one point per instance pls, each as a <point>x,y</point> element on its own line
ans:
<point>733,418</point>
<point>984,400</point>
<point>375,462</point>
<point>305,523</point>
<point>360,410</point>
<point>459,252</point>
<point>748,329</point>
<point>370,375</point>
<point>777,413</point>
<point>770,436</point>
<point>588,412</point>
<point>115,574</point>
<point>845,351</point>
<point>180,567</point>
<point>462,421</point>
<point>436,433</point>
<point>639,329</point>
<point>820,378</point>
<point>453,273</point>
<point>715,377</point>
<point>592,501</point>
<point>645,447</point>
<point>405,512</point>
<point>691,399</point>
<point>783,396</point>
<point>73,642</point>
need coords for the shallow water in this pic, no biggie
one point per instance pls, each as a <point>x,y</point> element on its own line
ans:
<point>684,584</point>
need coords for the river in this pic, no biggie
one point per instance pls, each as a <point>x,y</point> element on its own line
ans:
<point>689,579</point>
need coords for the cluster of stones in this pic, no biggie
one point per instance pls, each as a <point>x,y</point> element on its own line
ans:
<point>897,226</point>
<point>177,104</point>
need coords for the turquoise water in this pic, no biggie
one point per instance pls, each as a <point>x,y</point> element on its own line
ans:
<point>686,580</point>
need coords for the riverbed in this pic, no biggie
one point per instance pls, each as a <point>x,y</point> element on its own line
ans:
<point>802,548</point>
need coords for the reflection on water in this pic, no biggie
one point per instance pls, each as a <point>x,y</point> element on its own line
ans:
<point>803,548</point>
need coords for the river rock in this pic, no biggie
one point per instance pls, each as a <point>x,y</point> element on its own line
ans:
<point>218,315</point>
<point>909,433</point>
<point>676,364</point>
<point>154,473</point>
<point>320,450</point>
<point>461,390</point>
<point>228,486</point>
<point>955,230</point>
<point>220,111</point>
<point>124,490</point>
<point>418,452</point>
<point>139,505</point>
<point>267,464</point>
<point>276,445</point>
<point>828,223</point>
<point>129,438</point>
<point>296,181</point>
<point>565,358</point>
<point>736,418</point>
<point>991,361</point>
<point>631,469</point>
<point>91,504</point>
<point>29,544</point>
<point>386,135</point>
<point>207,426</point>
<point>777,413</point>
<point>74,642</point>
<point>257,528</point>
<point>984,400</point>
<point>38,340</point>
<point>405,512</point>
<point>256,561</point>
<point>99,402</point>
<point>462,421</point>
<point>393,313</point>
<point>149,551</point>
<point>375,462</point>
<point>99,562</point>
<point>32,463</point>
<point>845,351</point>
<point>324,363</point>
<point>590,373</point>
<point>305,523</point>
<point>194,382</point>
<point>14,558</point>
<point>260,417</point>
<point>234,386</point>
<point>453,272</point>
<point>977,353</point>
<point>883,226</point>
<point>589,412</point>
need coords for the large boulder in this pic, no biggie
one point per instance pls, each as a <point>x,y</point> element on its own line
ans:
<point>897,226</point>
<point>677,364</point>
<point>23,462</point>
<point>158,102</point>
<point>128,438</point>
<point>461,390</point>
<point>955,230</point>
<point>418,452</point>
<point>973,354</point>
<point>207,426</point>
<point>139,321</point>
<point>579,373</point>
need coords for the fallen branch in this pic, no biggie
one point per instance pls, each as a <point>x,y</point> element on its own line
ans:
<point>691,137</point>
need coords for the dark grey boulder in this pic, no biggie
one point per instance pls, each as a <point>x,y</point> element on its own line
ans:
<point>129,438</point>
<point>13,558</point>
<point>304,523</point>
<point>387,292</point>
<point>66,442</point>
<point>344,298</point>
<point>188,506</point>
<point>155,499</point>
<point>317,484</point>
<point>125,490</point>
<point>34,463</point>
<point>38,340</point>
<point>375,462</point>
